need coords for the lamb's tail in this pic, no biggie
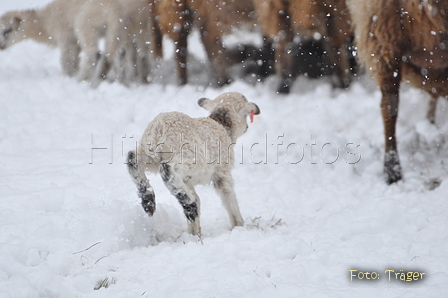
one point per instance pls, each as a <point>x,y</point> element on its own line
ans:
<point>145,191</point>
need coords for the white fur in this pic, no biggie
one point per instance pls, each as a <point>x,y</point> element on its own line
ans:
<point>137,25</point>
<point>76,26</point>
<point>189,151</point>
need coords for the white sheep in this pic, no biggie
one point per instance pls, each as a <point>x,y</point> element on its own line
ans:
<point>75,26</point>
<point>189,151</point>
<point>137,26</point>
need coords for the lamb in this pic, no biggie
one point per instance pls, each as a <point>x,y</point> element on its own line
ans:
<point>402,41</point>
<point>74,27</point>
<point>213,18</point>
<point>189,151</point>
<point>282,20</point>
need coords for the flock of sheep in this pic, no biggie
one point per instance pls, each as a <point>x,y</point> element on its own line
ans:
<point>397,40</point>
<point>133,31</point>
<point>77,27</point>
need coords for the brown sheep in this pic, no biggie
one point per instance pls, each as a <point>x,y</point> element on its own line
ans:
<point>280,20</point>
<point>402,41</point>
<point>213,18</point>
<point>173,19</point>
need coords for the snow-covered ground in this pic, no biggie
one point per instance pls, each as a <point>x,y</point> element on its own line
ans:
<point>308,179</point>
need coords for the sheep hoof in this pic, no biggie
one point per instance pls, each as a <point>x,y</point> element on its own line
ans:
<point>393,172</point>
<point>149,203</point>
<point>183,82</point>
<point>283,88</point>
<point>194,228</point>
<point>223,81</point>
<point>341,83</point>
<point>393,177</point>
<point>239,223</point>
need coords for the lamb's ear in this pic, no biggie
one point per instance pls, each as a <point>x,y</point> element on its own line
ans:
<point>249,107</point>
<point>206,103</point>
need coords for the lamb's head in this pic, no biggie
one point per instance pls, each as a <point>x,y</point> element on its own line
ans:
<point>9,28</point>
<point>230,110</point>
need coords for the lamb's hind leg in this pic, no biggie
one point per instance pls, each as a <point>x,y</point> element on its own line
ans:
<point>145,191</point>
<point>223,184</point>
<point>186,196</point>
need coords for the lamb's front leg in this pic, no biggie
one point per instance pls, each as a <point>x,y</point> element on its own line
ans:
<point>186,196</point>
<point>223,183</point>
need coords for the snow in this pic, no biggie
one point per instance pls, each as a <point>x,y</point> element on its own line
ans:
<point>308,176</point>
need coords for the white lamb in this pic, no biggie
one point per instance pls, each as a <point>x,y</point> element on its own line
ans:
<point>74,26</point>
<point>189,151</point>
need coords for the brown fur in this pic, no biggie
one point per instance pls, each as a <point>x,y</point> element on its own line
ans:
<point>280,20</point>
<point>402,40</point>
<point>171,18</point>
<point>222,117</point>
<point>213,18</point>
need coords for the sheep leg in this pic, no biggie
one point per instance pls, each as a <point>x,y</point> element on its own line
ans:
<point>431,114</point>
<point>195,229</point>
<point>211,39</point>
<point>117,48</point>
<point>157,40</point>
<point>91,56</point>
<point>283,51</point>
<point>338,30</point>
<point>275,23</point>
<point>142,65</point>
<point>137,50</point>
<point>142,62</point>
<point>338,58</point>
<point>267,57</point>
<point>390,84</point>
<point>283,64</point>
<point>223,184</point>
<point>186,196</point>
<point>132,55</point>
<point>126,52</point>
<point>90,60</point>
<point>70,56</point>
<point>181,55</point>
<point>145,191</point>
